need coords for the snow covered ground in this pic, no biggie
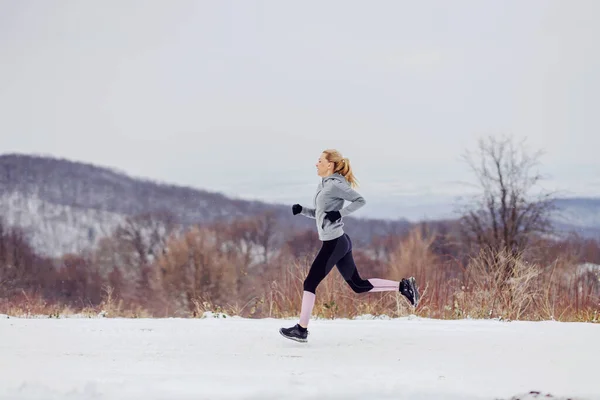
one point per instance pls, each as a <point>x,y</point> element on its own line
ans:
<point>236,358</point>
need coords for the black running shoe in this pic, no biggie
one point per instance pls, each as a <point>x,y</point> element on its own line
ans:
<point>408,288</point>
<point>296,332</point>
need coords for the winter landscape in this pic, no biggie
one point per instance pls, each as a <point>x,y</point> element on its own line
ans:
<point>154,158</point>
<point>120,316</point>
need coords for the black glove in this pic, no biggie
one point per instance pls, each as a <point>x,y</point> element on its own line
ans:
<point>296,209</point>
<point>333,215</point>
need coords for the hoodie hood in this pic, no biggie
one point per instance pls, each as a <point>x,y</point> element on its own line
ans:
<point>336,176</point>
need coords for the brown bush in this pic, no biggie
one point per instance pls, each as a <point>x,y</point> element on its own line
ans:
<point>194,269</point>
<point>208,269</point>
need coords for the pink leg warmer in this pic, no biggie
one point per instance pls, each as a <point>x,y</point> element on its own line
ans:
<point>384,285</point>
<point>308,301</point>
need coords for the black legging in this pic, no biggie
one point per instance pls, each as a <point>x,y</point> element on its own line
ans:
<point>336,252</point>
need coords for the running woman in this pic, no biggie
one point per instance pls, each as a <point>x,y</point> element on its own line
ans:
<point>336,186</point>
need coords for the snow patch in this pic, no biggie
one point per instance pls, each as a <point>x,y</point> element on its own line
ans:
<point>210,314</point>
<point>232,358</point>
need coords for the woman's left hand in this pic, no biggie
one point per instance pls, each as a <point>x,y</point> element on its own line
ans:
<point>333,215</point>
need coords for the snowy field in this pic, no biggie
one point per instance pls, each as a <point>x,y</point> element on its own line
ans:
<point>235,358</point>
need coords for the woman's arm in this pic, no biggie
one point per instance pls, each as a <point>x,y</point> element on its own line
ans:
<point>308,212</point>
<point>347,193</point>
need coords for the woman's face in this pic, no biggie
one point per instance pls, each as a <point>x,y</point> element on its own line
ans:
<point>324,167</point>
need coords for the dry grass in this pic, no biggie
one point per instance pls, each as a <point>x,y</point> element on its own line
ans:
<point>498,286</point>
<point>489,286</point>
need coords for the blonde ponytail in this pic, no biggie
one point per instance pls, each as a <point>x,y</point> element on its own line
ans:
<point>341,166</point>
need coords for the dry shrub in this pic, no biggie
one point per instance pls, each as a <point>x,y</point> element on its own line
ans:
<point>499,285</point>
<point>412,256</point>
<point>571,291</point>
<point>24,304</point>
<point>195,268</point>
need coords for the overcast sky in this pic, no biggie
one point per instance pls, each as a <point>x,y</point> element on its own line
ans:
<point>210,94</point>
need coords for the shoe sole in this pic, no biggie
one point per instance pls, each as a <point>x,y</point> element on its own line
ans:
<point>413,286</point>
<point>293,338</point>
<point>413,283</point>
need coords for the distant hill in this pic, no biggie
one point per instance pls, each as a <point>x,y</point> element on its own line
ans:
<point>65,206</point>
<point>580,215</point>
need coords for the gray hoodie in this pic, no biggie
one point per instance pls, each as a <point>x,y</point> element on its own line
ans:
<point>330,196</point>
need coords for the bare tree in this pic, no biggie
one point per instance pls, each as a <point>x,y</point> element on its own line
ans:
<point>237,237</point>
<point>509,208</point>
<point>253,237</point>
<point>303,245</point>
<point>146,235</point>
<point>264,234</point>
<point>20,267</point>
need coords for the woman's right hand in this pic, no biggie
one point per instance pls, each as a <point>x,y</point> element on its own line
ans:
<point>296,209</point>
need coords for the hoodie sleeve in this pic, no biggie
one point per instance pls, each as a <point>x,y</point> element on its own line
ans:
<point>308,212</point>
<point>347,193</point>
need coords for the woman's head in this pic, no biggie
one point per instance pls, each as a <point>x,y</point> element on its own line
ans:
<point>332,161</point>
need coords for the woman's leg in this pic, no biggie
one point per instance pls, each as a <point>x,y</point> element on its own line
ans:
<point>407,287</point>
<point>330,253</point>
<point>308,302</point>
<point>347,268</point>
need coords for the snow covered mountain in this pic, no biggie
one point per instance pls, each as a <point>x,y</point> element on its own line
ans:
<point>52,228</point>
<point>65,206</point>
